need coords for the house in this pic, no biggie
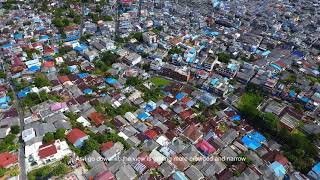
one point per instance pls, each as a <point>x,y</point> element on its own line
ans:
<point>205,147</point>
<point>110,150</point>
<point>193,173</point>
<point>126,172</point>
<point>83,121</point>
<point>208,99</point>
<point>8,159</point>
<point>51,152</point>
<point>278,169</point>
<point>59,107</point>
<point>289,122</point>
<point>157,157</point>
<point>98,167</point>
<point>28,134</point>
<point>90,55</point>
<point>149,37</point>
<point>249,174</point>
<point>77,137</point>
<point>132,59</point>
<point>178,175</point>
<point>166,169</point>
<point>174,72</point>
<point>105,175</point>
<point>253,140</point>
<point>314,173</point>
<point>97,118</point>
<point>211,168</point>
<point>193,133</point>
<point>4,132</point>
<point>180,162</point>
<point>229,136</point>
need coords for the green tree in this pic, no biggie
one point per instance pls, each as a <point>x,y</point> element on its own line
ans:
<point>77,19</point>
<point>15,129</point>
<point>60,134</point>
<point>58,22</point>
<point>41,81</point>
<point>133,81</point>
<point>88,146</point>
<point>3,74</point>
<point>109,58</point>
<point>175,50</point>
<point>224,57</point>
<point>66,22</point>
<point>60,169</point>
<point>48,137</point>
<point>108,18</point>
<point>138,36</point>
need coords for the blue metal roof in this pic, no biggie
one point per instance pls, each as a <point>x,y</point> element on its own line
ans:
<point>87,91</point>
<point>180,95</point>
<point>278,169</point>
<point>253,140</point>
<point>34,68</point>
<point>316,168</point>
<point>143,116</point>
<point>111,81</point>
<point>236,118</point>
<point>83,75</point>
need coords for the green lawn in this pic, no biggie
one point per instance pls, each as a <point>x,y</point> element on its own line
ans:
<point>158,81</point>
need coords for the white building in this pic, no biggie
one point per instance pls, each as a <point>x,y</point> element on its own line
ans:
<point>28,134</point>
<point>132,59</point>
<point>39,154</point>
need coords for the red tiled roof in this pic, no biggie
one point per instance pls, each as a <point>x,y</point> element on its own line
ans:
<point>205,146</point>
<point>186,114</point>
<point>185,99</point>
<point>47,150</point>
<point>97,118</point>
<point>63,79</point>
<point>281,159</point>
<point>105,175</point>
<point>75,134</point>
<point>280,63</point>
<point>151,133</point>
<point>7,159</point>
<point>144,159</point>
<point>48,50</point>
<point>169,99</point>
<point>48,64</point>
<point>106,146</point>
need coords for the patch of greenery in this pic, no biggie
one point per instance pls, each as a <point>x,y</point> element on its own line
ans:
<point>48,138</point>
<point>158,81</point>
<point>175,50</point>
<point>110,136</point>
<point>224,57</point>
<point>41,81</point>
<point>296,146</point>
<point>8,143</point>
<point>15,129</point>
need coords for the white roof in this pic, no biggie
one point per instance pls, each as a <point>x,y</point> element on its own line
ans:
<point>162,140</point>
<point>32,149</point>
<point>157,156</point>
<point>121,134</point>
<point>129,116</point>
<point>28,134</point>
<point>83,121</point>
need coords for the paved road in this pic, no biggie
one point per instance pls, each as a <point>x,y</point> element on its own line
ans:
<point>22,163</point>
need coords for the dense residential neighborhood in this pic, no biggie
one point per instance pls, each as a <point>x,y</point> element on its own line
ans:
<point>161,89</point>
